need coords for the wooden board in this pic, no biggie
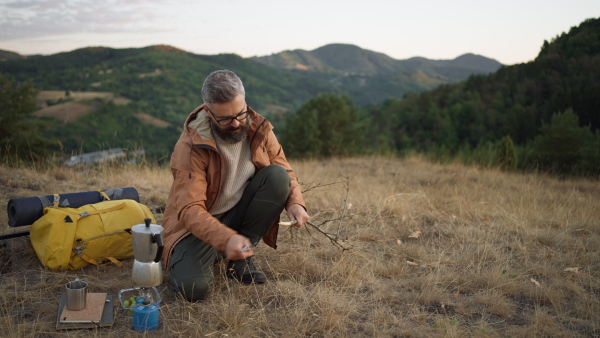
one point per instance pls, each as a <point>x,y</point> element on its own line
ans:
<point>94,306</point>
<point>106,313</point>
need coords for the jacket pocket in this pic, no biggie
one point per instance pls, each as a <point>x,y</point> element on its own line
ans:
<point>261,157</point>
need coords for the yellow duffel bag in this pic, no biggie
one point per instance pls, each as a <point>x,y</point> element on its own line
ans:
<point>98,234</point>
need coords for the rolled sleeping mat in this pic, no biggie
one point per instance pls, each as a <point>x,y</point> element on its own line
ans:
<point>27,210</point>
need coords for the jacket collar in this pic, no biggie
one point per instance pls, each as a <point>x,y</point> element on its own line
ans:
<point>197,126</point>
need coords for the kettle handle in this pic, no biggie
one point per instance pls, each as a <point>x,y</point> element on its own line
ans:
<point>157,238</point>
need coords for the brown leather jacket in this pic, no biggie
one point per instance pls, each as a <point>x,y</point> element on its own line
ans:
<point>196,167</point>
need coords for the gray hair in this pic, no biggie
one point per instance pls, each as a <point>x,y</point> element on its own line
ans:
<point>221,86</point>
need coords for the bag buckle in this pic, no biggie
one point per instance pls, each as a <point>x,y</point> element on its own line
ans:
<point>84,214</point>
<point>79,250</point>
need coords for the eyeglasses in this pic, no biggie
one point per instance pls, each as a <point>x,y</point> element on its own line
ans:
<point>228,120</point>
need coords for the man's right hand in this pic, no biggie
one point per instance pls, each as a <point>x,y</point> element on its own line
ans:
<point>234,246</point>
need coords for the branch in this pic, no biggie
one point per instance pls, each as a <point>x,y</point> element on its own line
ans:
<point>319,185</point>
<point>345,204</point>
<point>334,238</point>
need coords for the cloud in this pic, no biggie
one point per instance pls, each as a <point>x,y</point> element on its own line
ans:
<point>42,18</point>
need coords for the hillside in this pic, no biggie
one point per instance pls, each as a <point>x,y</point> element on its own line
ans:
<point>352,60</point>
<point>177,75</point>
<point>342,58</point>
<point>370,77</point>
<point>524,104</point>
<point>549,107</point>
<point>165,79</point>
<point>163,83</point>
<point>8,55</point>
<point>160,82</point>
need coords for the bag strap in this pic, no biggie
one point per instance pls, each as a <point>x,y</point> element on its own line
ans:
<point>101,211</point>
<point>103,194</point>
<point>79,251</point>
<point>114,248</point>
<point>115,193</point>
<point>90,260</point>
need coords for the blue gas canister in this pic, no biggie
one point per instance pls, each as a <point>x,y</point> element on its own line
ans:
<point>145,317</point>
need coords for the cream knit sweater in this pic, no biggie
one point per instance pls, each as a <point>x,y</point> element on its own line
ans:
<point>237,172</point>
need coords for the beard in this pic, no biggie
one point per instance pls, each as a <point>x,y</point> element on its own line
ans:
<point>229,134</point>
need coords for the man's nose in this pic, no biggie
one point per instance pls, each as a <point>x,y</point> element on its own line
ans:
<point>235,123</point>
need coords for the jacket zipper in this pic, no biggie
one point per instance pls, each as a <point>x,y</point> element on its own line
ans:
<point>256,132</point>
<point>205,146</point>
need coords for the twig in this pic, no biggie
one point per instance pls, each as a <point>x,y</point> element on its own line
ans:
<point>319,185</point>
<point>334,238</point>
<point>345,204</point>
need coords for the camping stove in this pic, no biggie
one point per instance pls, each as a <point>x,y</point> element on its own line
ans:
<point>147,241</point>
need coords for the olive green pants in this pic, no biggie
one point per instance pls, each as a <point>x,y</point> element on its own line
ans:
<point>191,269</point>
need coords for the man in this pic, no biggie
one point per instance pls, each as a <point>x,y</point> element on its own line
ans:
<point>231,183</point>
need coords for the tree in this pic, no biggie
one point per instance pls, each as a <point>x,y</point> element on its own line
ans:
<point>20,133</point>
<point>325,126</point>
<point>590,153</point>
<point>506,156</point>
<point>559,144</point>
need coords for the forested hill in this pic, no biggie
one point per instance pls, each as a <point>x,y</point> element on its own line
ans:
<point>163,81</point>
<point>544,114</point>
<point>7,55</point>
<point>371,77</point>
<point>366,76</point>
<point>139,96</point>
<point>350,59</point>
<point>154,89</point>
<point>526,102</point>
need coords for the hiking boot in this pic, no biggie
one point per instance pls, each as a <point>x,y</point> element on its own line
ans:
<point>244,271</point>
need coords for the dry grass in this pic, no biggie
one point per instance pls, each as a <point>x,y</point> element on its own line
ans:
<point>489,260</point>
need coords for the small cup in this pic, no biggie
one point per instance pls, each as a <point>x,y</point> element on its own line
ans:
<point>76,295</point>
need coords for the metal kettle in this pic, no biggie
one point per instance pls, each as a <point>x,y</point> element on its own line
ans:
<point>147,241</point>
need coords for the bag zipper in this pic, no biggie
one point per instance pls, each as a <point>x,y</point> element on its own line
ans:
<point>80,240</point>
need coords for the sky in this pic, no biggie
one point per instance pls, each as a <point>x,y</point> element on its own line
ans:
<point>510,31</point>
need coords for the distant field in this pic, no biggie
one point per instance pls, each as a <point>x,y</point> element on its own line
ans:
<point>55,95</point>
<point>273,108</point>
<point>72,110</point>
<point>66,112</point>
<point>149,119</point>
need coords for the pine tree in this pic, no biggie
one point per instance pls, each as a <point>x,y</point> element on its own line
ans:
<point>506,156</point>
<point>325,126</point>
<point>559,144</point>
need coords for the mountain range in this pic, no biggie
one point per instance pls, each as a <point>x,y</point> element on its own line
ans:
<point>99,98</point>
<point>349,59</point>
<point>144,94</point>
<point>367,77</point>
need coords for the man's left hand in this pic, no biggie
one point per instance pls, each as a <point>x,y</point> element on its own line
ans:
<point>297,212</point>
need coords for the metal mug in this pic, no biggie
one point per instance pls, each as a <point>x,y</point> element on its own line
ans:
<point>76,295</point>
